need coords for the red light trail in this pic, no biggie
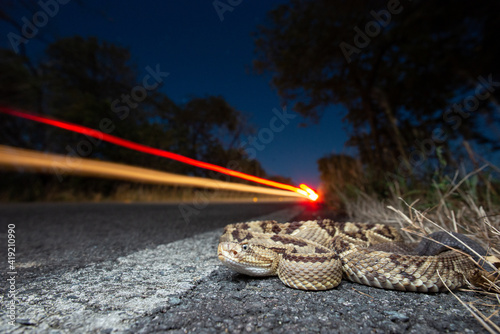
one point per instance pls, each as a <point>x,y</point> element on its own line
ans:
<point>303,190</point>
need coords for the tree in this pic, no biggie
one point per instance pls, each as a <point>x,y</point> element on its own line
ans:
<point>398,68</point>
<point>87,82</point>
<point>207,129</point>
<point>18,88</point>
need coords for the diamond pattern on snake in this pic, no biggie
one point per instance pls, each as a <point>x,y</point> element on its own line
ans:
<point>317,254</point>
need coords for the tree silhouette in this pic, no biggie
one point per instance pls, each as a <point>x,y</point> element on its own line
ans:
<point>93,83</point>
<point>398,67</point>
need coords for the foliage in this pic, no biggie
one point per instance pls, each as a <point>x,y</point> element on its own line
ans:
<point>341,176</point>
<point>413,77</point>
<point>21,88</point>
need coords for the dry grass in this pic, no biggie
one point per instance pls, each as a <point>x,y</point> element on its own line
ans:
<point>455,211</point>
<point>484,230</point>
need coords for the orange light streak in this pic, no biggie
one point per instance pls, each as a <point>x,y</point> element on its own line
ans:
<point>154,151</point>
<point>14,158</point>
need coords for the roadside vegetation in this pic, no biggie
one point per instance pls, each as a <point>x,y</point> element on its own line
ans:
<point>419,88</point>
<point>419,85</point>
<point>459,204</point>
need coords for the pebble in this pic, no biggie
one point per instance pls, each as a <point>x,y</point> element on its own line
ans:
<point>397,316</point>
<point>27,322</point>
<point>174,301</point>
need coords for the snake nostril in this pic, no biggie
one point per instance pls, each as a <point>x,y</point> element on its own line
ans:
<point>233,252</point>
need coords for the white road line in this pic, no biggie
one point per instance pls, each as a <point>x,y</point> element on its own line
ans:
<point>112,294</point>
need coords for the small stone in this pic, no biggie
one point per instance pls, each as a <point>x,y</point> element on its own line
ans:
<point>174,301</point>
<point>27,322</point>
<point>396,316</point>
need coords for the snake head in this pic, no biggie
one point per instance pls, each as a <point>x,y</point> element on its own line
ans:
<point>248,259</point>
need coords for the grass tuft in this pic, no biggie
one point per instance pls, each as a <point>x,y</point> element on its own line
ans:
<point>457,210</point>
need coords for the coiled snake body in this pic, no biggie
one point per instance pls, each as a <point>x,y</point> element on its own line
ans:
<point>315,255</point>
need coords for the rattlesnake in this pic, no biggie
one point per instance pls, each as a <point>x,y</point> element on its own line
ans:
<point>316,254</point>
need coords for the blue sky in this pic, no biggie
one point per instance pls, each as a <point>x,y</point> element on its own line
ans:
<point>204,56</point>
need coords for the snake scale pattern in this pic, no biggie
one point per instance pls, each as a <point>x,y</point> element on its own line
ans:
<point>316,254</point>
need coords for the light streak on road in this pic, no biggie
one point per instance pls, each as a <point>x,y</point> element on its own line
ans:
<point>308,193</point>
<point>33,161</point>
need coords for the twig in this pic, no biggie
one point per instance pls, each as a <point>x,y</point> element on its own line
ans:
<point>479,317</point>
<point>363,293</point>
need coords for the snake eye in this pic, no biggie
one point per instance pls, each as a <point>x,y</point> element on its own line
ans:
<point>244,247</point>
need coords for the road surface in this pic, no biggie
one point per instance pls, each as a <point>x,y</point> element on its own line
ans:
<point>141,268</point>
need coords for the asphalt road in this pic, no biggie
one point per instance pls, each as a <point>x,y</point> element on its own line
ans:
<point>70,236</point>
<point>126,268</point>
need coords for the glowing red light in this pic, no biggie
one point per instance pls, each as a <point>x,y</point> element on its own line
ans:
<point>305,191</point>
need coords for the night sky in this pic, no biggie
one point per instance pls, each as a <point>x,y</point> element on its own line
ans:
<point>205,56</point>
